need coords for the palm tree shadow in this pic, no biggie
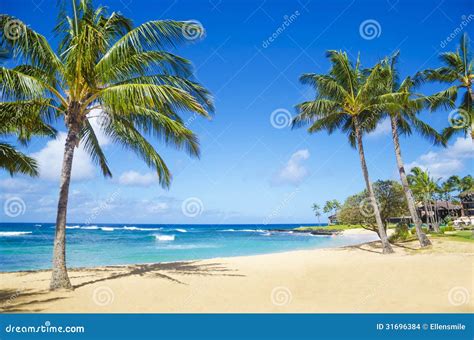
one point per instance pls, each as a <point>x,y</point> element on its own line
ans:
<point>371,247</point>
<point>17,301</point>
<point>159,270</point>
<point>21,301</point>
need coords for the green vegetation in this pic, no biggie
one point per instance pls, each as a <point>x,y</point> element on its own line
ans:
<point>391,200</point>
<point>461,235</point>
<point>331,227</point>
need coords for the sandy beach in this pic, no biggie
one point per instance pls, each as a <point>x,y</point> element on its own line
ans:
<point>350,279</point>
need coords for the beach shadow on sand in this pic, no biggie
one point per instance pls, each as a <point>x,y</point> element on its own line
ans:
<point>21,301</point>
<point>16,301</point>
<point>159,270</point>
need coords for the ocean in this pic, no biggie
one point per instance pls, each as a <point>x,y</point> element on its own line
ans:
<point>29,246</point>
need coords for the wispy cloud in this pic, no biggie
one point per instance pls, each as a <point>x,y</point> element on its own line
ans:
<point>383,129</point>
<point>294,171</point>
<point>448,161</point>
<point>134,178</point>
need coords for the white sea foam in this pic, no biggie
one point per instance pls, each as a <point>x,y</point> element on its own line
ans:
<point>38,225</point>
<point>181,230</point>
<point>140,229</point>
<point>14,233</point>
<point>186,246</point>
<point>73,227</point>
<point>107,229</point>
<point>164,237</point>
<point>92,227</point>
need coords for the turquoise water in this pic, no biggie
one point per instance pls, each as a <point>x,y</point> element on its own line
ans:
<point>28,246</point>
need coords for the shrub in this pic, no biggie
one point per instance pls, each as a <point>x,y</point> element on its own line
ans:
<point>447,228</point>
<point>401,233</point>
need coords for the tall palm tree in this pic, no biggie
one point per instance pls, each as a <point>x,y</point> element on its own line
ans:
<point>104,62</point>
<point>403,118</point>
<point>346,99</point>
<point>457,70</point>
<point>316,210</point>
<point>424,187</point>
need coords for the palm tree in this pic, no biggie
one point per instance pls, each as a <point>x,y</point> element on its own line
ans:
<point>331,206</point>
<point>103,62</point>
<point>403,117</point>
<point>424,187</point>
<point>346,99</point>
<point>316,210</point>
<point>23,119</point>
<point>457,70</point>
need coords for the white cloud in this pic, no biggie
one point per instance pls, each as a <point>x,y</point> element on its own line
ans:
<point>135,178</point>
<point>50,158</point>
<point>448,161</point>
<point>383,128</point>
<point>294,172</point>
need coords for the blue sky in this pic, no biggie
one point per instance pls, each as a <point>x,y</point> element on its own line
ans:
<point>253,171</point>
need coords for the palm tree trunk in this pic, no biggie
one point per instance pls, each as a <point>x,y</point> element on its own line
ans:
<point>425,204</point>
<point>406,188</point>
<point>387,248</point>
<point>59,277</point>
<point>435,217</point>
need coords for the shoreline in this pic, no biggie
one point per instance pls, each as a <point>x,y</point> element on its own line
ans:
<point>356,231</point>
<point>348,279</point>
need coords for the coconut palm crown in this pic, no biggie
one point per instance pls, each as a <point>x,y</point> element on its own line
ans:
<point>346,99</point>
<point>457,70</point>
<point>105,63</point>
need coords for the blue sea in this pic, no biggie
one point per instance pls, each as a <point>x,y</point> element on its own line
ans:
<point>29,246</point>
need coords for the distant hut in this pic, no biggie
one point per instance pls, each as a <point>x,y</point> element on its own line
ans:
<point>439,210</point>
<point>467,203</point>
<point>333,219</point>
